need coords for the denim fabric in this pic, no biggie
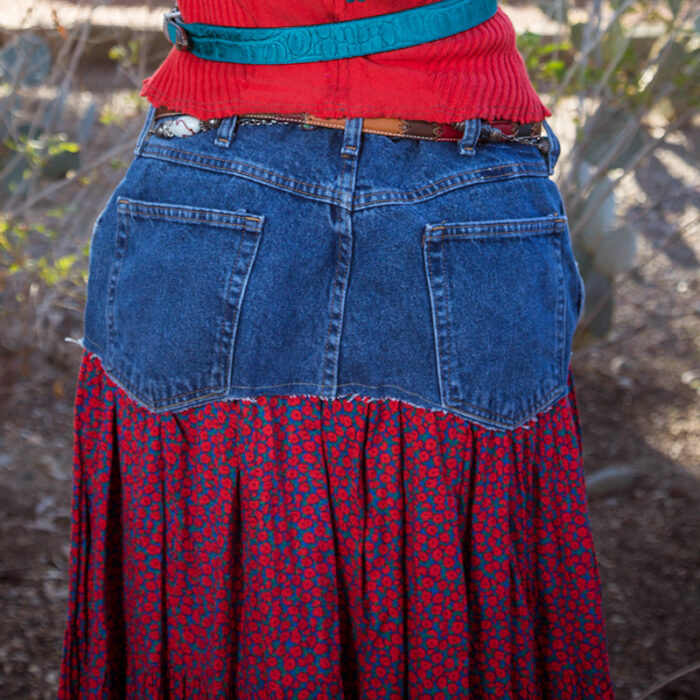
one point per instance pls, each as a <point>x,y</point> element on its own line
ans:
<point>278,259</point>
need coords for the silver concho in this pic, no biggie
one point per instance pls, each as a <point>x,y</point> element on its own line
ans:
<point>183,125</point>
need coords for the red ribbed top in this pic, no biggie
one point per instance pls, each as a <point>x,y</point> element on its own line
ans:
<point>475,73</point>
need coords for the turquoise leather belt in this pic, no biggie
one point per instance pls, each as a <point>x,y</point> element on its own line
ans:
<point>328,41</point>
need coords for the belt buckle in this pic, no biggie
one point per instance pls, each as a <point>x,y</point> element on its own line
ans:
<point>169,19</point>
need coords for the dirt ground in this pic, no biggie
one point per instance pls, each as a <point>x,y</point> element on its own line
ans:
<point>639,395</point>
<point>640,407</point>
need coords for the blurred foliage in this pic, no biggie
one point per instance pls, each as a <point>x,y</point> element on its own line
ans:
<point>543,67</point>
<point>47,189</point>
<point>13,240</point>
<point>624,62</point>
<point>127,55</point>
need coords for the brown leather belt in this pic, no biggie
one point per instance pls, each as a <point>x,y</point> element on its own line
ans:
<point>491,130</point>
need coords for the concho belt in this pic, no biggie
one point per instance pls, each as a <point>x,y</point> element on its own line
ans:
<point>181,124</point>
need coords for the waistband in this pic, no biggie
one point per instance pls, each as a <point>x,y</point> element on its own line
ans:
<point>329,40</point>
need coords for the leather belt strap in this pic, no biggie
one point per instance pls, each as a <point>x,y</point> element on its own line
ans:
<point>330,40</point>
<point>491,130</point>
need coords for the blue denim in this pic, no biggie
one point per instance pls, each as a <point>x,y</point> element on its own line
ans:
<point>278,259</point>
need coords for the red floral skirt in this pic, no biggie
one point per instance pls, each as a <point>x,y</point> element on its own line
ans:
<point>299,547</point>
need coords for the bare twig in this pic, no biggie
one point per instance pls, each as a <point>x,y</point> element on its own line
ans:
<point>606,189</point>
<point>126,145</point>
<point>684,671</point>
<point>67,78</point>
<point>588,47</point>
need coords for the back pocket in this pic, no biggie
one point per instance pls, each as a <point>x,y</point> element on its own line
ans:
<point>174,294</point>
<point>503,315</point>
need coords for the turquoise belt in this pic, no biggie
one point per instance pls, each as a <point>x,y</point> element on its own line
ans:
<point>328,41</point>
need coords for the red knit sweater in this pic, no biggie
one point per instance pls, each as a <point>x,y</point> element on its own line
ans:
<point>475,73</point>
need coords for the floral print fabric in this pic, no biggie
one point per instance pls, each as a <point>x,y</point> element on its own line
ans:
<point>299,547</point>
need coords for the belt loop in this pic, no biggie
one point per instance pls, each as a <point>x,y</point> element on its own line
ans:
<point>472,131</point>
<point>351,136</point>
<point>226,131</point>
<point>552,155</point>
<point>148,122</point>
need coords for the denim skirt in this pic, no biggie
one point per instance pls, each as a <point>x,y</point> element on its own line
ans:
<point>326,438</point>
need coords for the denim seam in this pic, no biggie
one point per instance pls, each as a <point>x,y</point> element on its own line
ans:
<point>347,397</point>
<point>435,323</point>
<point>367,386</point>
<point>334,198</point>
<point>520,226</point>
<point>512,234</point>
<point>199,220</point>
<point>349,153</point>
<point>497,417</point>
<point>367,201</point>
<point>129,387</point>
<point>448,324</point>
<point>466,176</point>
<point>335,283</point>
<point>463,178</point>
<point>116,377</point>
<point>462,182</point>
<point>219,221</point>
<point>227,357</point>
<point>231,161</point>
<point>202,159</point>
<point>114,271</point>
<point>562,320</point>
<point>87,337</point>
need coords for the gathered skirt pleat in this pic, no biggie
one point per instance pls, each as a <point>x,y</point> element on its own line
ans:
<point>301,547</point>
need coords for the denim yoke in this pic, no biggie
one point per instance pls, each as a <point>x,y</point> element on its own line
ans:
<point>282,259</point>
